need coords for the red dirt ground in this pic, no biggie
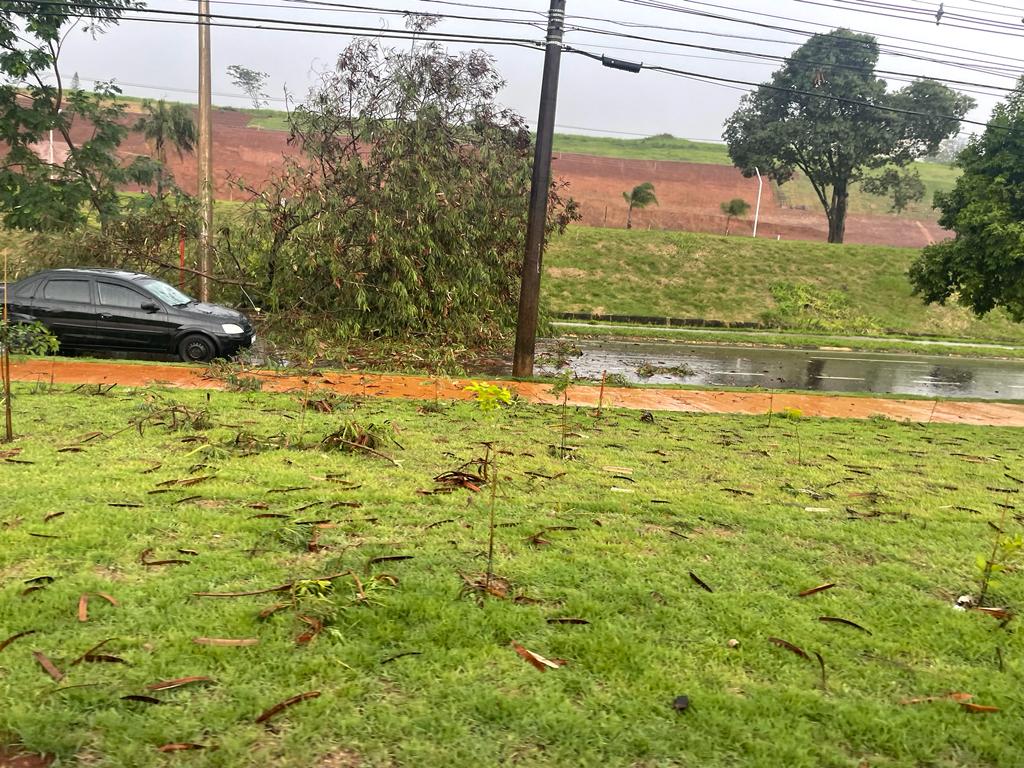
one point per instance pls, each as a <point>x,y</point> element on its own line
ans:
<point>973,412</point>
<point>689,194</point>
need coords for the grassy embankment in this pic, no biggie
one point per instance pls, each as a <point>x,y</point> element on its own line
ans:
<point>240,498</point>
<point>861,289</point>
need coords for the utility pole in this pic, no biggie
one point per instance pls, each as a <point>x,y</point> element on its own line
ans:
<point>204,152</point>
<point>529,293</point>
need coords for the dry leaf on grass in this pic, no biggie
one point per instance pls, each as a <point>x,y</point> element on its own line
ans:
<point>16,636</point>
<point>789,647</point>
<point>846,622</point>
<point>700,582</point>
<point>48,666</point>
<point>166,685</point>
<point>815,590</point>
<point>83,603</point>
<point>977,708</point>
<point>536,659</point>
<point>282,705</point>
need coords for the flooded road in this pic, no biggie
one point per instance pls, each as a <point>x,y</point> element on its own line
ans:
<point>812,370</point>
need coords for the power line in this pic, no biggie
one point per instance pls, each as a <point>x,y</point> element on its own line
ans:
<point>256,22</point>
<point>999,28</point>
<point>975,65</point>
<point>775,57</point>
<point>661,5</point>
<point>732,82</point>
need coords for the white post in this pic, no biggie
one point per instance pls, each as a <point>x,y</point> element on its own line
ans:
<point>757,209</point>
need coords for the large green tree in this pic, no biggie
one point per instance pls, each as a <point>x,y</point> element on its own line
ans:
<point>826,114</point>
<point>406,211</point>
<point>165,125</point>
<point>982,267</point>
<point>35,194</point>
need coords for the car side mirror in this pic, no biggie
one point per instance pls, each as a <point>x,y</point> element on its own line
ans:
<point>150,306</point>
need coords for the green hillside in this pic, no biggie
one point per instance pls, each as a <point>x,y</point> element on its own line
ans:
<point>850,288</point>
<point>660,147</point>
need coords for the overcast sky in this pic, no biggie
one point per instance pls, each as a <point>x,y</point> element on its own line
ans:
<point>159,60</point>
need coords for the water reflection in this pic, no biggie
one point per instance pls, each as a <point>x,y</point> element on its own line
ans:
<point>816,370</point>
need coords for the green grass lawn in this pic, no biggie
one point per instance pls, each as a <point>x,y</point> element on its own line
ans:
<point>677,274</point>
<point>99,489</point>
<point>661,147</point>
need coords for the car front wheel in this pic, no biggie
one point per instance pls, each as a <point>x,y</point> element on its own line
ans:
<point>196,348</point>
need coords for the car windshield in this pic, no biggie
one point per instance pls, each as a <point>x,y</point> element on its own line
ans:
<point>168,294</point>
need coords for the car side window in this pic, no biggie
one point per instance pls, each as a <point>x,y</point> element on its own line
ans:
<point>68,290</point>
<point>120,296</point>
<point>27,290</point>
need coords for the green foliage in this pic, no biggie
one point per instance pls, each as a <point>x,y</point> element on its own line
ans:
<point>489,397</point>
<point>801,305</point>
<point>833,141</point>
<point>166,125</point>
<point>903,186</point>
<point>34,194</point>
<point>641,196</point>
<point>735,207</point>
<point>406,211</point>
<point>1007,550</point>
<point>250,81</point>
<point>143,237</point>
<point>28,338</point>
<point>982,267</point>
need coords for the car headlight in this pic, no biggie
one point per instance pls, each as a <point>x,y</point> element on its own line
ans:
<point>232,328</point>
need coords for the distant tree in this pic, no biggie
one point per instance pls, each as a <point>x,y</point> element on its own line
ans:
<point>733,210</point>
<point>641,196</point>
<point>785,125</point>
<point>76,84</point>
<point>982,267</point>
<point>949,149</point>
<point>251,82</point>
<point>903,186</point>
<point>162,125</point>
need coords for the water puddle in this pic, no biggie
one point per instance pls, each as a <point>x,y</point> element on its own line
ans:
<point>811,370</point>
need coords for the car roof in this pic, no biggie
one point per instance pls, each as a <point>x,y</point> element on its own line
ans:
<point>99,272</point>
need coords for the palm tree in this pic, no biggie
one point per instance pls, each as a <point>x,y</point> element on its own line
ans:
<point>734,209</point>
<point>164,125</point>
<point>641,196</point>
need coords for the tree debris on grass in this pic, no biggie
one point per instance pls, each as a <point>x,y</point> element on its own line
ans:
<point>816,590</point>
<point>537,660</point>
<point>282,705</point>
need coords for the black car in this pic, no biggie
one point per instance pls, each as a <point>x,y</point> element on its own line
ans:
<point>106,309</point>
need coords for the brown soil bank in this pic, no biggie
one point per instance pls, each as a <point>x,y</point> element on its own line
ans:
<point>420,388</point>
<point>689,194</point>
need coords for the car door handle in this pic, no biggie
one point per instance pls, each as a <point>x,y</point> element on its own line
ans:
<point>105,316</point>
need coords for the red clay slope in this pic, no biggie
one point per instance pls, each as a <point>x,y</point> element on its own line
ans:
<point>689,194</point>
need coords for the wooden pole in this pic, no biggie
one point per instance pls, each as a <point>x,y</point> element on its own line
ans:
<point>6,374</point>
